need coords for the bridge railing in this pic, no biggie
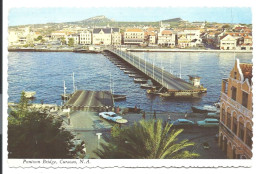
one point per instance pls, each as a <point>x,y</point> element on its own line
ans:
<point>143,66</point>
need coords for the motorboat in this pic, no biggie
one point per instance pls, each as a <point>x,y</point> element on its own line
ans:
<point>118,97</point>
<point>122,68</point>
<point>204,109</point>
<point>140,80</point>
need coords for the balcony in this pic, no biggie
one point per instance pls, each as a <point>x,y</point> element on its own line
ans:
<point>237,105</point>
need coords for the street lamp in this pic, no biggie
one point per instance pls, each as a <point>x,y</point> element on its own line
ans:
<point>99,135</point>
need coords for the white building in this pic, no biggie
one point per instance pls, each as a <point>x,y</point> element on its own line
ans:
<point>75,38</point>
<point>85,37</point>
<point>227,42</point>
<point>192,34</point>
<point>166,38</point>
<point>116,36</point>
<point>21,36</point>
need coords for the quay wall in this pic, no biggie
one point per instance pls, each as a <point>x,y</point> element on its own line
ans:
<point>135,50</point>
<point>188,50</point>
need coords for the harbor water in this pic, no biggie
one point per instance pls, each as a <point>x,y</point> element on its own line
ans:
<point>44,73</point>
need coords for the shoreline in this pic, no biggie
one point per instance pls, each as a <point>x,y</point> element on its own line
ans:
<point>133,50</point>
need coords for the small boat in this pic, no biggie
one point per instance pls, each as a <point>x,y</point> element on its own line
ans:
<point>118,65</point>
<point>29,94</point>
<point>118,97</point>
<point>122,68</point>
<point>140,80</point>
<point>204,109</point>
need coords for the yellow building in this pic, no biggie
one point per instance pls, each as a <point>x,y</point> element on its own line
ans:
<point>235,131</point>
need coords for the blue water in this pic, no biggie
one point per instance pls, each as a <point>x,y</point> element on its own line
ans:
<point>45,73</point>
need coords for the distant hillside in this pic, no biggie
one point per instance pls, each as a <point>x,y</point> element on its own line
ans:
<point>95,20</point>
<point>173,20</point>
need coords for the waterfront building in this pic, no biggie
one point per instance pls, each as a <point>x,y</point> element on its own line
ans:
<point>85,37</point>
<point>116,36</point>
<point>21,36</point>
<point>75,37</point>
<point>58,35</point>
<point>228,42</point>
<point>192,34</point>
<point>247,43</point>
<point>106,36</point>
<point>235,128</point>
<point>183,42</point>
<point>166,38</point>
<point>134,36</point>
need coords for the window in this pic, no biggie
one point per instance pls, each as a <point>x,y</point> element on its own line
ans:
<point>229,120</point>
<point>244,99</point>
<point>234,92</point>
<point>234,125</point>
<point>235,75</point>
<point>223,116</point>
<point>249,136</point>
<point>241,131</point>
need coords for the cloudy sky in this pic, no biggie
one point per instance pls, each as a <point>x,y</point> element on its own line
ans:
<point>21,16</point>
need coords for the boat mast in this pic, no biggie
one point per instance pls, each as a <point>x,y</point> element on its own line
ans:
<point>74,88</point>
<point>64,88</point>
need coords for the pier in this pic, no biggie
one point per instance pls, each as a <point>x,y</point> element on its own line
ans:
<point>170,84</point>
<point>83,100</point>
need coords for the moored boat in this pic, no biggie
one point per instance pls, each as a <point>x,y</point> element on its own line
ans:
<point>132,75</point>
<point>204,109</point>
<point>118,97</point>
<point>147,86</point>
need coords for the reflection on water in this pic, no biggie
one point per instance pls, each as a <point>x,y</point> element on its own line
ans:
<point>45,72</point>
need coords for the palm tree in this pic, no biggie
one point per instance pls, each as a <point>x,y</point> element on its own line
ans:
<point>146,140</point>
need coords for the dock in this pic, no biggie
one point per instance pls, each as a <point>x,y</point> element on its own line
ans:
<point>169,83</point>
<point>84,100</point>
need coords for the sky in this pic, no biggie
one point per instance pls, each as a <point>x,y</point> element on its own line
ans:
<point>22,16</point>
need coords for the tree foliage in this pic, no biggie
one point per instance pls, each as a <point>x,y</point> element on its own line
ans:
<point>32,134</point>
<point>146,140</point>
<point>71,42</point>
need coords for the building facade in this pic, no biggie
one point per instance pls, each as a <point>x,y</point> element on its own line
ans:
<point>134,36</point>
<point>166,38</point>
<point>85,37</point>
<point>235,130</point>
<point>227,42</point>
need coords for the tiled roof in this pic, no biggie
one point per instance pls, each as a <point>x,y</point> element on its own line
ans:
<point>246,70</point>
<point>134,30</point>
<point>105,30</point>
<point>166,32</point>
<point>223,36</point>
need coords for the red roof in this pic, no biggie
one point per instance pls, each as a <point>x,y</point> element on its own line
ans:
<point>167,32</point>
<point>247,70</point>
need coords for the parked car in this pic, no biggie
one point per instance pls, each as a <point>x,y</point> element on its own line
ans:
<point>111,116</point>
<point>182,122</point>
<point>208,122</point>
